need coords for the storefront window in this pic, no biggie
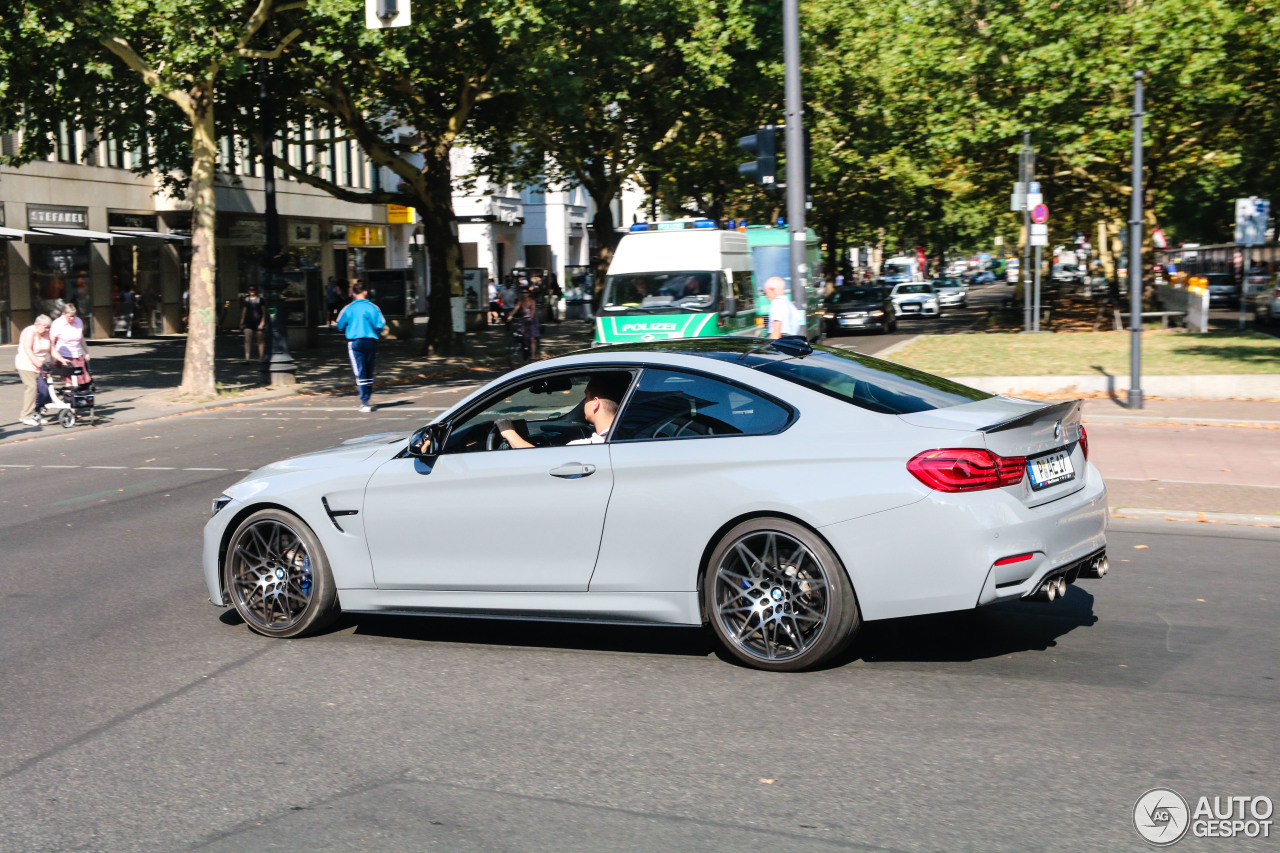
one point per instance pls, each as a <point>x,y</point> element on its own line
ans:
<point>136,299</point>
<point>361,260</point>
<point>60,274</point>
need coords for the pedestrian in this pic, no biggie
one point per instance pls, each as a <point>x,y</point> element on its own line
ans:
<point>33,352</point>
<point>783,319</point>
<point>66,342</point>
<point>525,313</point>
<point>495,303</point>
<point>362,322</point>
<point>333,299</point>
<point>253,319</point>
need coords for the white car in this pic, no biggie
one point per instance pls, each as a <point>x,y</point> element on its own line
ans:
<point>779,492</point>
<point>915,298</point>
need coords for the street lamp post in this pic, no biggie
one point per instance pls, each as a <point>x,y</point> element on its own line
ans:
<point>279,365</point>
<point>1135,253</point>
<point>796,178</point>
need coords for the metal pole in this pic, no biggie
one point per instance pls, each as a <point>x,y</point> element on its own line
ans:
<point>1135,253</point>
<point>1027,170</point>
<point>1035,317</point>
<point>278,365</point>
<point>795,152</point>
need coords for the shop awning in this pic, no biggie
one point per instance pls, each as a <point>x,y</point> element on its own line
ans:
<point>152,235</point>
<point>76,233</point>
<point>12,233</point>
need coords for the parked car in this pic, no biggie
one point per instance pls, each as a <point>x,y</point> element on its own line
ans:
<point>859,306</point>
<point>915,298</point>
<point>952,292</point>
<point>1266,310</point>
<point>1222,288</point>
<point>781,493</point>
<point>982,277</point>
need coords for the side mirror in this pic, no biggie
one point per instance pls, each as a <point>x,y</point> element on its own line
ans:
<point>428,441</point>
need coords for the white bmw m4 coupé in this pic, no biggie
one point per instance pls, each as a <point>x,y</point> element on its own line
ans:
<point>780,493</point>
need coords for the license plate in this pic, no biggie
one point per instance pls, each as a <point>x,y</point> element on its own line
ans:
<point>1051,469</point>
<point>911,306</point>
<point>853,322</point>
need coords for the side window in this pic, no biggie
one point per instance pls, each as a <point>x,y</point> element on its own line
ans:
<point>745,290</point>
<point>674,404</point>
<point>547,411</point>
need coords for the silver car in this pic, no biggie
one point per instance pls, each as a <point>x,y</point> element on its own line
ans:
<point>952,292</point>
<point>781,493</point>
<point>1267,307</point>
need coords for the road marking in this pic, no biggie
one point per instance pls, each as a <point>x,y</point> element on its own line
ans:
<point>108,467</point>
<point>59,466</point>
<point>204,469</point>
<point>14,465</point>
<point>144,468</point>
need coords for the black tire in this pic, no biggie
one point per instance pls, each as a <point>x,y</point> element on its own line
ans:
<point>774,570</point>
<point>277,576</point>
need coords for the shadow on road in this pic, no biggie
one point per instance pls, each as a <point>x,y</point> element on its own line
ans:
<point>989,632</point>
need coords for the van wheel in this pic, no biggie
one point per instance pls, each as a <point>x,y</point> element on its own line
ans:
<point>777,596</point>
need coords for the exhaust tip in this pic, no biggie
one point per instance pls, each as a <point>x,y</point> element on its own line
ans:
<point>1062,586</point>
<point>1050,589</point>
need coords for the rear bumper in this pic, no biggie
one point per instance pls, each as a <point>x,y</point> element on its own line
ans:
<point>939,553</point>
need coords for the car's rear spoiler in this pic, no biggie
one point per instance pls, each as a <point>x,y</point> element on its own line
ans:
<point>1068,412</point>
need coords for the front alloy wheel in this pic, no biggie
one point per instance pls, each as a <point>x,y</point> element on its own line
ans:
<point>277,575</point>
<point>778,597</point>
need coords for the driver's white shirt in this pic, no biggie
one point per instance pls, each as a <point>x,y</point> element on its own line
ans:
<point>596,438</point>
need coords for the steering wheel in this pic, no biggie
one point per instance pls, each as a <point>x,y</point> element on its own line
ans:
<point>680,424</point>
<point>494,440</point>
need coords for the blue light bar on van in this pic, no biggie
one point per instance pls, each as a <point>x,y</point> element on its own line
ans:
<point>704,223</point>
<point>678,225</point>
<point>640,226</point>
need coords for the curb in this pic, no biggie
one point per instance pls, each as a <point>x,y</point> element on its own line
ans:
<point>1198,517</point>
<point>892,348</point>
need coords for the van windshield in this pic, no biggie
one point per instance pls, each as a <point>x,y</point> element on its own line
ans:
<point>659,292</point>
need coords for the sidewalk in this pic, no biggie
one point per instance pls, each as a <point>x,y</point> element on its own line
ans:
<point>1173,458</point>
<point>137,377</point>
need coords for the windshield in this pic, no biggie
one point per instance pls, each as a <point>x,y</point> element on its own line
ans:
<point>896,269</point>
<point>856,294</point>
<point>661,291</point>
<point>914,288</point>
<point>769,261</point>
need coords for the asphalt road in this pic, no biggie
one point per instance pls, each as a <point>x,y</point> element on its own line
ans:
<point>135,716</point>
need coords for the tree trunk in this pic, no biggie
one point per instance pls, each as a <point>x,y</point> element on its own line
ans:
<point>197,367</point>
<point>606,240</point>
<point>444,254</point>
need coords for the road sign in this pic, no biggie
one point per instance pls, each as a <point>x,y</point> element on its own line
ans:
<point>1039,235</point>
<point>1251,220</point>
<point>1018,199</point>
<point>1039,214</point>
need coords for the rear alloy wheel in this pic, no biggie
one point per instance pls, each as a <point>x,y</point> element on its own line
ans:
<point>277,575</point>
<point>778,597</point>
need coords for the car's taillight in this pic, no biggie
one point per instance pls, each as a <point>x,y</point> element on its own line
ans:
<point>1084,442</point>
<point>966,469</point>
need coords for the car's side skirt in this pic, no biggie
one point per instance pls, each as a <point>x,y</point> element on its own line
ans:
<point>634,608</point>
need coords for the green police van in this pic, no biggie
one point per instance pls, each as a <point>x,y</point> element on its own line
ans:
<point>681,279</point>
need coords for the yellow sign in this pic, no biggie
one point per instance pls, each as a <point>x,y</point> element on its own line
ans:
<point>398,214</point>
<point>366,235</point>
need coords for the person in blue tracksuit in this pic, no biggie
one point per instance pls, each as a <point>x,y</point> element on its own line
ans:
<point>362,322</point>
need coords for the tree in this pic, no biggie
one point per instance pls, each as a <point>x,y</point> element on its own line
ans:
<point>177,52</point>
<point>406,96</point>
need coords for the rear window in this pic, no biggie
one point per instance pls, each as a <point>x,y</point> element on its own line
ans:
<point>857,294</point>
<point>880,386</point>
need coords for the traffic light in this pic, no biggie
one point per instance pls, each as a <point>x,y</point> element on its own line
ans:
<point>764,144</point>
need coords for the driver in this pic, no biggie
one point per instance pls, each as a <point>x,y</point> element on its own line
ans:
<point>603,395</point>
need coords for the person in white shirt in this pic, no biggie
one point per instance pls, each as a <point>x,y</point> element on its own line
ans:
<point>603,395</point>
<point>782,315</point>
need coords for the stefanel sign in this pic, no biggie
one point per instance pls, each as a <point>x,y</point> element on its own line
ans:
<point>56,216</point>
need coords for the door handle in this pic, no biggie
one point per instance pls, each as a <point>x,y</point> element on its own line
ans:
<point>573,471</point>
